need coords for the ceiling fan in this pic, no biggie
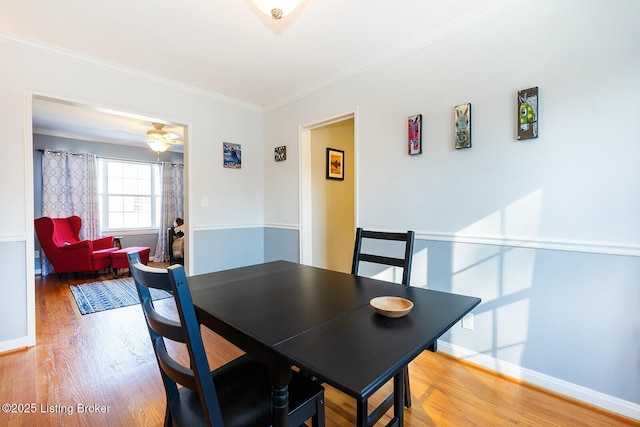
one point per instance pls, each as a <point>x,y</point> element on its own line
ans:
<point>158,133</point>
<point>159,140</point>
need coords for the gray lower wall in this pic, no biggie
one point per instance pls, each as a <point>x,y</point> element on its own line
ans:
<point>215,250</point>
<point>148,240</point>
<point>12,304</point>
<point>222,249</point>
<point>570,315</point>
<point>281,244</point>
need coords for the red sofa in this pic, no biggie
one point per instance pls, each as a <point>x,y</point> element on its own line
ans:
<point>60,241</point>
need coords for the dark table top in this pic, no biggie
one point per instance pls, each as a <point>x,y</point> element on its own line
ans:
<point>321,321</point>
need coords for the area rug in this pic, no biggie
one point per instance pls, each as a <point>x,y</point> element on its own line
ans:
<point>109,294</point>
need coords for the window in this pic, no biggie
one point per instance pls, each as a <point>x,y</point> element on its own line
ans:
<point>129,194</point>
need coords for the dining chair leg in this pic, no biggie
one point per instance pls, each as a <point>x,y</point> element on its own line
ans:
<point>168,421</point>
<point>318,418</point>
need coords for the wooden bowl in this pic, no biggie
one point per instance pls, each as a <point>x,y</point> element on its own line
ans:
<point>391,306</point>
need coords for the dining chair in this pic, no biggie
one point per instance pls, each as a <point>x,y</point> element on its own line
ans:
<point>237,394</point>
<point>371,256</point>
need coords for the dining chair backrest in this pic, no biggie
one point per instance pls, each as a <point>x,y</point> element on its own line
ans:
<point>197,376</point>
<point>359,255</point>
<point>405,262</point>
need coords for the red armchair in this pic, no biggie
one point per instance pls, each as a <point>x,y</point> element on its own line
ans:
<point>59,238</point>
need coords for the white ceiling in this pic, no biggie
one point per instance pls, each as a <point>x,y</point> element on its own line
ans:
<point>228,48</point>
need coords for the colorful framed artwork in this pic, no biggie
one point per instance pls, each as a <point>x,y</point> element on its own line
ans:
<point>232,155</point>
<point>528,113</point>
<point>335,164</point>
<point>415,134</point>
<point>462,117</point>
<point>280,153</point>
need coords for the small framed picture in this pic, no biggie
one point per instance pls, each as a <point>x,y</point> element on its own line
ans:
<point>335,164</point>
<point>528,113</point>
<point>232,154</point>
<point>280,153</point>
<point>415,134</point>
<point>462,117</point>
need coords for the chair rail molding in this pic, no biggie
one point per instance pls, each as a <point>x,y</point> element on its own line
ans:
<point>596,247</point>
<point>13,238</point>
<point>294,227</point>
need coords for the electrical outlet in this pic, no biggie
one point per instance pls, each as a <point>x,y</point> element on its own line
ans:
<point>467,321</point>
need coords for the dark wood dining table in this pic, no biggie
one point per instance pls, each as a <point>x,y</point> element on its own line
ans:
<point>287,314</point>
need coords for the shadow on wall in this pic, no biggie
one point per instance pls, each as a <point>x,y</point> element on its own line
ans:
<point>502,276</point>
<point>542,309</point>
<point>545,310</point>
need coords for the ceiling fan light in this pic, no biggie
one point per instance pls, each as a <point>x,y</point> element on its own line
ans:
<point>277,8</point>
<point>159,146</point>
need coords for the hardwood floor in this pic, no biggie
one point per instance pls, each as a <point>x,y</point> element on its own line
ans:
<point>99,370</point>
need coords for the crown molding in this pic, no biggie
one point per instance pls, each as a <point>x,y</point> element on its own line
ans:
<point>68,55</point>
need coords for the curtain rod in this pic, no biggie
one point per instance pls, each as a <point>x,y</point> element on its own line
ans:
<point>109,158</point>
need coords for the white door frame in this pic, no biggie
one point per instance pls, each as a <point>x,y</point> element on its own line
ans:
<point>30,339</point>
<point>305,197</point>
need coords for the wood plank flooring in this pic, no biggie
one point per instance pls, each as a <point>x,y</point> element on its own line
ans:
<point>99,370</point>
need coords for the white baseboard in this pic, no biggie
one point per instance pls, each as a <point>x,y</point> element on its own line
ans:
<point>574,391</point>
<point>15,344</point>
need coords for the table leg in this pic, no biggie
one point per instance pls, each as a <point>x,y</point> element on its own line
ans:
<point>362,412</point>
<point>398,397</point>
<point>280,395</point>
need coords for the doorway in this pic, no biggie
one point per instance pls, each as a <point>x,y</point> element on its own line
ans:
<point>328,206</point>
<point>47,116</point>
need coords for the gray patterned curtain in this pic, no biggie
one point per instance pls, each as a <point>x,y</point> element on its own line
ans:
<point>172,205</point>
<point>69,188</point>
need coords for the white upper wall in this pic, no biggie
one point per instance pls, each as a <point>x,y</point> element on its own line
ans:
<point>235,196</point>
<point>576,183</point>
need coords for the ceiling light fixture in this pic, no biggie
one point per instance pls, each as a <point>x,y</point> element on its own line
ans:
<point>158,145</point>
<point>277,8</point>
<point>158,139</point>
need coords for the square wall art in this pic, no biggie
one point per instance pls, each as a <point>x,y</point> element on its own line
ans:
<point>280,153</point>
<point>415,134</point>
<point>528,113</point>
<point>232,155</point>
<point>462,116</point>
